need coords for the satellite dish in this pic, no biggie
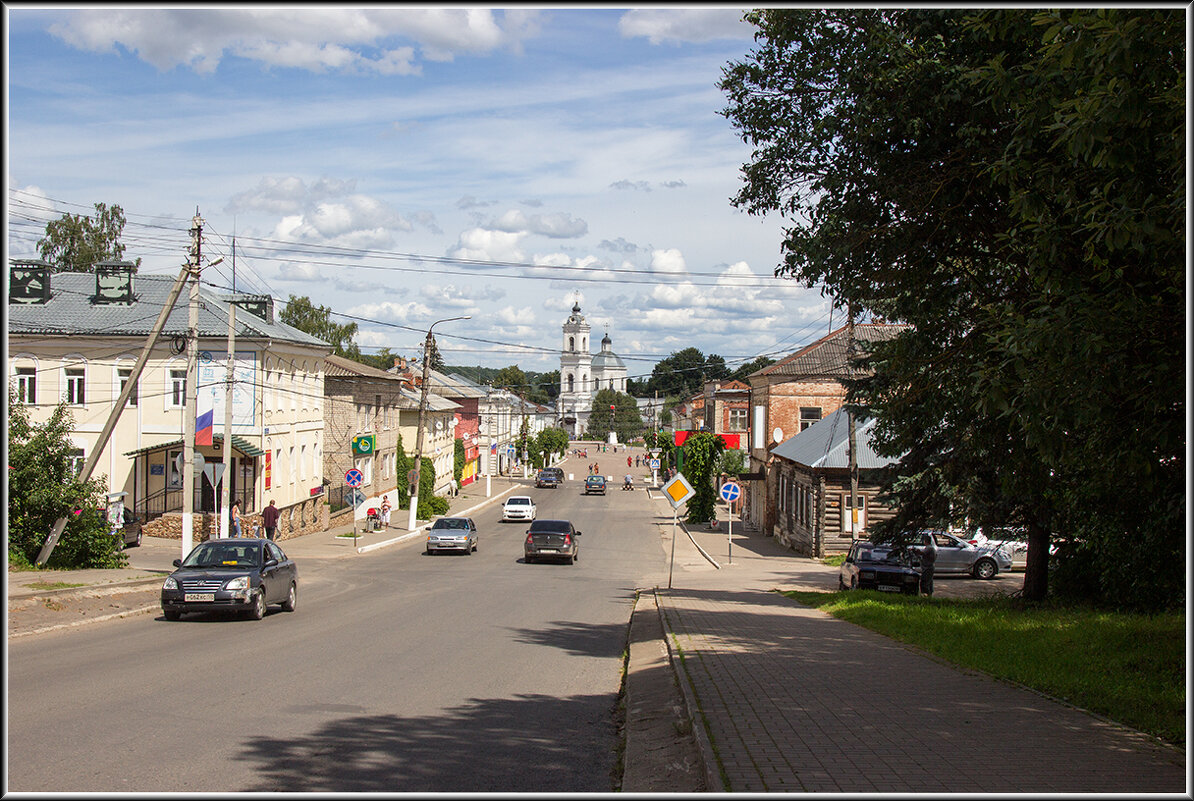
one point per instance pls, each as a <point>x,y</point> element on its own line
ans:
<point>777,435</point>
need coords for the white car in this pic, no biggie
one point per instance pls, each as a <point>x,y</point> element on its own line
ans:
<point>518,507</point>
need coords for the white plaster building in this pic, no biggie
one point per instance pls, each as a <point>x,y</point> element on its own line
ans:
<point>582,375</point>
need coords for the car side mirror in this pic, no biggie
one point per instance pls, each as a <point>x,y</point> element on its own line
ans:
<point>850,560</point>
<point>270,562</point>
<point>577,533</point>
<point>177,563</point>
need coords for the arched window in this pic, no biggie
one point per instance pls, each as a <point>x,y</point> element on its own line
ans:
<point>571,383</point>
<point>572,343</point>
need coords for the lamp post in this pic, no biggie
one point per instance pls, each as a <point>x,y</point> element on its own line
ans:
<point>416,473</point>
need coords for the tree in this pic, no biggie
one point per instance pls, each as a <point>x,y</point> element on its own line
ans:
<point>625,418</point>
<point>43,486</point>
<point>680,375</point>
<point>76,243</point>
<point>1011,185</point>
<point>437,361</point>
<point>301,313</point>
<point>511,378</point>
<point>752,366</point>
<point>551,440</point>
<point>701,457</point>
<point>382,360</point>
<point>543,388</point>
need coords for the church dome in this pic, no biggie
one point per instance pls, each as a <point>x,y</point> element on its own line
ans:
<point>607,359</point>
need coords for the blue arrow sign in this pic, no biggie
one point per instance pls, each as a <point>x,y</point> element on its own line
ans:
<point>730,492</point>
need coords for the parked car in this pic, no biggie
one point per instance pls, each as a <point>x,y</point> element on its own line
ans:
<point>595,485</point>
<point>547,479</point>
<point>1014,540</point>
<point>551,539</point>
<point>558,472</point>
<point>231,575</point>
<point>518,507</point>
<point>956,555</point>
<point>452,534</point>
<point>130,532</point>
<point>871,567</point>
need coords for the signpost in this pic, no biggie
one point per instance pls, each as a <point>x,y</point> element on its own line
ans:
<point>678,490</point>
<point>354,478</point>
<point>730,492</point>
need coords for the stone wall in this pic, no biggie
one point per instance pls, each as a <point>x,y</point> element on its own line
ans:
<point>305,517</point>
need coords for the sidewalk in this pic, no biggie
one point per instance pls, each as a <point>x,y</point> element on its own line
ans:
<point>788,699</point>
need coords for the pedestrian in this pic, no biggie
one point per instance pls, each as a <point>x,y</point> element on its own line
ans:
<point>236,518</point>
<point>455,488</point>
<point>385,511</point>
<point>629,461</point>
<point>928,558</point>
<point>269,518</point>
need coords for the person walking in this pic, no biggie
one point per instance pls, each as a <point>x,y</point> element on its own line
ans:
<point>928,558</point>
<point>629,461</point>
<point>236,518</point>
<point>269,518</point>
<point>385,511</point>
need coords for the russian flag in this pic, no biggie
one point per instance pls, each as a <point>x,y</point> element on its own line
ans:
<point>204,421</point>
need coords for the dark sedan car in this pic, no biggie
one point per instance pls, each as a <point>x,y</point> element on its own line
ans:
<point>547,479</point>
<point>870,568</point>
<point>551,539</point>
<point>595,485</point>
<point>231,575</point>
<point>130,532</point>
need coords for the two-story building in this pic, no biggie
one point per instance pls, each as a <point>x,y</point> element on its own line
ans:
<point>75,338</point>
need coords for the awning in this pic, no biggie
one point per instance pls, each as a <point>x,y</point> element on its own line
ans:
<point>242,445</point>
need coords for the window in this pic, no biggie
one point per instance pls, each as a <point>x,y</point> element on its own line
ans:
<point>760,429</point>
<point>291,471</point>
<point>302,465</point>
<point>571,383</point>
<point>27,385</point>
<point>75,393</point>
<point>365,465</point>
<point>377,404</point>
<point>178,388</point>
<point>75,460</point>
<point>571,343</point>
<point>809,415</point>
<point>125,373</point>
<point>736,420</point>
<point>361,425</point>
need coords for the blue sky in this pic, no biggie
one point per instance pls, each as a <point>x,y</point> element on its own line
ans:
<point>403,165</point>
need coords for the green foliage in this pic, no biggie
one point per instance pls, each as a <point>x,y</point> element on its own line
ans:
<point>551,440</point>
<point>730,462</point>
<point>753,366</point>
<point>1011,184</point>
<point>626,420</point>
<point>511,378</point>
<point>301,313</point>
<point>382,360</point>
<point>458,460</point>
<point>680,375</point>
<point>435,505</point>
<point>428,500</point>
<point>701,454</point>
<point>75,243</point>
<point>1130,668</point>
<point>43,487</point>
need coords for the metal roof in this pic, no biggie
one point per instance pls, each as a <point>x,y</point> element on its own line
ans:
<point>826,444</point>
<point>242,445</point>
<point>827,356</point>
<point>70,311</point>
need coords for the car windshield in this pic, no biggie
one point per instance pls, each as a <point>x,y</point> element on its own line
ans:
<point>450,522</point>
<point>596,480</point>
<point>223,555</point>
<point>550,527</point>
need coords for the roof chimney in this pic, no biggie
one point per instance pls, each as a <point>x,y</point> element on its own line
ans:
<point>29,281</point>
<point>114,283</point>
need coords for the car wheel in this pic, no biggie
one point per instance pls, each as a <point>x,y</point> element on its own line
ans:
<point>570,560</point>
<point>841,585</point>
<point>137,542</point>
<point>985,568</point>
<point>291,599</point>
<point>171,614</point>
<point>468,550</point>
<point>258,610</point>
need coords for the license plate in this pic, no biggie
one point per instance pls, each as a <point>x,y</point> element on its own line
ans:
<point>199,597</point>
<point>888,588</point>
<point>548,550</point>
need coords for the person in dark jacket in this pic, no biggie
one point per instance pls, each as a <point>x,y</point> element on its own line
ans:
<point>269,518</point>
<point>928,557</point>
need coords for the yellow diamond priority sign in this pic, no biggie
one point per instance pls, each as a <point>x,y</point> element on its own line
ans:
<point>678,490</point>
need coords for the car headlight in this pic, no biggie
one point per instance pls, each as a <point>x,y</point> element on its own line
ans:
<point>238,583</point>
<point>170,583</point>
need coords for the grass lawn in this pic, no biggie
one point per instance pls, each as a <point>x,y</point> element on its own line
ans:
<point>1130,668</point>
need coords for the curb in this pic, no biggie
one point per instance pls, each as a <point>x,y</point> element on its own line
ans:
<point>417,531</point>
<point>109,588</point>
<point>704,746</point>
<point>57,626</point>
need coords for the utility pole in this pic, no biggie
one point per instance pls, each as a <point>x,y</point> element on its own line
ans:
<point>226,493</point>
<point>853,437</point>
<point>188,436</point>
<point>416,472</point>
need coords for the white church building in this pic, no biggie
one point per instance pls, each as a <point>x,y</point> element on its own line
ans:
<point>582,374</point>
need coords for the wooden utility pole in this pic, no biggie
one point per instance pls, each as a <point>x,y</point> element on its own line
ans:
<point>226,487</point>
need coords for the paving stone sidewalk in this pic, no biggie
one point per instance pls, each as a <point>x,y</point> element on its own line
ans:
<point>797,701</point>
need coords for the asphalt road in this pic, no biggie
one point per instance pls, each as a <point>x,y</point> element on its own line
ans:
<point>401,672</point>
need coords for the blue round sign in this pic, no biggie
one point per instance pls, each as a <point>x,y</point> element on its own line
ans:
<point>730,492</point>
<point>354,478</point>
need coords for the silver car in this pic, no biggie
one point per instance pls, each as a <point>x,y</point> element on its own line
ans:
<point>452,534</point>
<point>956,555</point>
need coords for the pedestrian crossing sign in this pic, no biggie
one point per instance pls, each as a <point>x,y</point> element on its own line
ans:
<point>678,490</point>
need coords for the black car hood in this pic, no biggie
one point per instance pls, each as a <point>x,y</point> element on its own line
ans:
<point>220,573</point>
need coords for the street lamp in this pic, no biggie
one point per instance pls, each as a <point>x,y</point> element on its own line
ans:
<point>416,473</point>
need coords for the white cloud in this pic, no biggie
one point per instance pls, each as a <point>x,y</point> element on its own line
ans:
<point>481,244</point>
<point>685,25</point>
<point>668,261</point>
<point>626,184</point>
<point>554,226</point>
<point>509,315</point>
<point>355,221</point>
<point>387,311</point>
<point>312,38</point>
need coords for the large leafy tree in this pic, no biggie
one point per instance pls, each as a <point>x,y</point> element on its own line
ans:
<point>511,378</point>
<point>43,486</point>
<point>317,321</point>
<point>702,458</point>
<point>1011,184</point>
<point>625,418</point>
<point>680,374</point>
<point>75,242</point>
<point>752,366</point>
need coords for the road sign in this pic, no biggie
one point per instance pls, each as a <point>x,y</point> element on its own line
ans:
<point>412,478</point>
<point>198,463</point>
<point>730,492</point>
<point>678,490</point>
<point>654,464</point>
<point>354,478</point>
<point>214,472</point>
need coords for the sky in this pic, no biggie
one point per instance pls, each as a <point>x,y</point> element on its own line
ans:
<point>403,165</point>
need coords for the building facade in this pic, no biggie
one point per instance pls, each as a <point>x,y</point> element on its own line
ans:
<point>583,375</point>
